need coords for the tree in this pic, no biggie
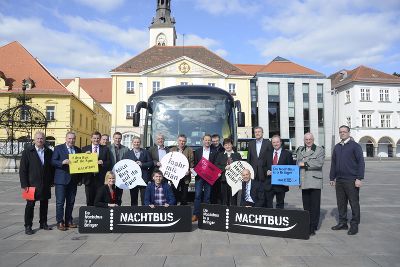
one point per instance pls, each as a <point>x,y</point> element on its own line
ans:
<point>396,74</point>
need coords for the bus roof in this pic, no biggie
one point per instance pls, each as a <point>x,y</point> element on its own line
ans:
<point>188,90</point>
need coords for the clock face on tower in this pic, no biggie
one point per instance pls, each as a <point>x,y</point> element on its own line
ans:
<point>161,40</point>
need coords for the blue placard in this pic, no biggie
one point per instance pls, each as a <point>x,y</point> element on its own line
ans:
<point>285,175</point>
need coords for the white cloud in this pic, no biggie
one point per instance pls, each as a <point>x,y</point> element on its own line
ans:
<point>65,54</point>
<point>339,33</point>
<point>101,5</point>
<point>218,7</point>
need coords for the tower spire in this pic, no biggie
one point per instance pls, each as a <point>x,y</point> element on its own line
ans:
<point>162,27</point>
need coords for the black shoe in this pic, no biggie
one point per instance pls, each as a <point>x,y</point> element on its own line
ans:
<point>312,232</point>
<point>340,226</point>
<point>45,226</point>
<point>353,230</point>
<point>28,230</point>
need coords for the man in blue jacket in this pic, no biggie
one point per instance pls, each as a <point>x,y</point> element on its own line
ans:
<point>347,171</point>
<point>158,193</point>
<point>65,183</point>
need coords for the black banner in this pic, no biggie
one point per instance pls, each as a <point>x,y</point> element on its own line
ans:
<point>143,219</point>
<point>140,219</point>
<point>213,217</point>
<point>94,220</point>
<point>256,221</point>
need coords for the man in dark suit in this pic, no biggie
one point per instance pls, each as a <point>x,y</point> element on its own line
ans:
<point>65,183</point>
<point>252,191</point>
<point>216,147</point>
<point>201,186</point>
<point>158,151</point>
<point>36,171</point>
<point>278,156</point>
<point>258,152</point>
<point>142,158</point>
<point>117,151</point>
<point>93,181</point>
<point>216,144</point>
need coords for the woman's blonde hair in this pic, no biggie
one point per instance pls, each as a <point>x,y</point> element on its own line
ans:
<point>108,174</point>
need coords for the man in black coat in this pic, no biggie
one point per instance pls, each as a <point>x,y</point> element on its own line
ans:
<point>279,156</point>
<point>252,191</point>
<point>143,159</point>
<point>158,151</point>
<point>36,171</point>
<point>259,150</point>
<point>93,181</point>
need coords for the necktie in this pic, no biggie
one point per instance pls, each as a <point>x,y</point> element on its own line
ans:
<point>95,149</point>
<point>275,160</point>
<point>70,150</point>
<point>116,153</point>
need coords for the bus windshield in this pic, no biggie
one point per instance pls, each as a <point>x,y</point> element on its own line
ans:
<point>190,115</point>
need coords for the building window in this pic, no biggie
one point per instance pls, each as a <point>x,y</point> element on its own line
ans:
<point>213,85</point>
<point>365,94</point>
<point>80,120</point>
<point>292,114</point>
<point>232,88</point>
<point>306,107</point>
<point>130,87</point>
<point>384,95</point>
<point>50,113</point>
<point>320,104</point>
<point>399,96</point>
<point>348,96</point>
<point>72,116</point>
<point>385,120</point>
<point>273,108</point>
<point>127,139</point>
<point>130,109</point>
<point>366,120</point>
<point>184,83</point>
<point>156,86</point>
<point>348,121</point>
<point>87,122</point>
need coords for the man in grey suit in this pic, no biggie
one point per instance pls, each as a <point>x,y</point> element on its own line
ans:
<point>158,151</point>
<point>117,151</point>
<point>311,158</point>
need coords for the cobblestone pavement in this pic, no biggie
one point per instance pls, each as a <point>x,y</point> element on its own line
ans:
<point>377,244</point>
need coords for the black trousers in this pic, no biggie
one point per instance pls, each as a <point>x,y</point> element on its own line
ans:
<point>269,199</point>
<point>181,192</point>
<point>226,195</point>
<point>312,204</point>
<point>215,197</point>
<point>91,191</point>
<point>135,193</point>
<point>346,192</point>
<point>29,210</point>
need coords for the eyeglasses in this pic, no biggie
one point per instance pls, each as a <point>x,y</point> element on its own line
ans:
<point>343,131</point>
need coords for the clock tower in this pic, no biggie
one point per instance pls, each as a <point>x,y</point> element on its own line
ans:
<point>162,28</point>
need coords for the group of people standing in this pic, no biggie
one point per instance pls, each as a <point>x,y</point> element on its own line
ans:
<point>42,168</point>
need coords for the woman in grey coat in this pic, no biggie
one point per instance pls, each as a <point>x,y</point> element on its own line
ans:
<point>311,158</point>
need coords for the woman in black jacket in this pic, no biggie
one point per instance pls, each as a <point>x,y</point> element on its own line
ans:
<point>108,195</point>
<point>223,161</point>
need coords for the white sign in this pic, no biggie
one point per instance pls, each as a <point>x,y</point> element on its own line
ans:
<point>128,174</point>
<point>174,166</point>
<point>234,175</point>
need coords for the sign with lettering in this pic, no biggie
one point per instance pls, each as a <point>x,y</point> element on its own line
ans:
<point>94,220</point>
<point>83,163</point>
<point>174,166</point>
<point>207,171</point>
<point>214,217</point>
<point>143,219</point>
<point>128,174</point>
<point>257,221</point>
<point>234,175</point>
<point>285,175</point>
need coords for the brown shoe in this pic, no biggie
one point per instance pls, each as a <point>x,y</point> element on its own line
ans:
<point>195,218</point>
<point>61,227</point>
<point>71,225</point>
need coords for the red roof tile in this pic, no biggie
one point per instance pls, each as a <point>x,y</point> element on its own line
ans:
<point>17,64</point>
<point>362,74</point>
<point>158,55</point>
<point>283,66</point>
<point>250,68</point>
<point>98,88</point>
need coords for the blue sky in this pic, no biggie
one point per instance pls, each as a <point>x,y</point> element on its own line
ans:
<point>87,38</point>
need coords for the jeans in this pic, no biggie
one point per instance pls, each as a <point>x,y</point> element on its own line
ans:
<point>199,185</point>
<point>65,194</point>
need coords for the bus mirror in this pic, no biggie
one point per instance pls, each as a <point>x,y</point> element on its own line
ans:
<point>240,119</point>
<point>136,119</point>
